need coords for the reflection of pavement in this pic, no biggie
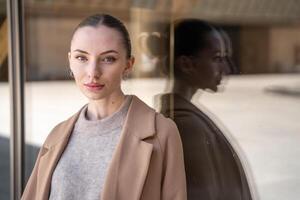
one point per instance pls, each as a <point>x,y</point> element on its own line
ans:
<point>31,153</point>
<point>263,125</point>
<point>290,91</point>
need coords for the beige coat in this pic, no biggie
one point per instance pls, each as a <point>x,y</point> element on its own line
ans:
<point>147,163</point>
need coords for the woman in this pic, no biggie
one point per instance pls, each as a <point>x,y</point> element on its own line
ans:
<point>115,147</point>
<point>213,168</point>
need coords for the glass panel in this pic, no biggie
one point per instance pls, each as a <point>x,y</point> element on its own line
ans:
<point>252,112</point>
<point>4,107</point>
<point>51,94</point>
<point>256,108</point>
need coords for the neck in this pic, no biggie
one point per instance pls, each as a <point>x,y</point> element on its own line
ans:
<point>98,109</point>
<point>183,89</point>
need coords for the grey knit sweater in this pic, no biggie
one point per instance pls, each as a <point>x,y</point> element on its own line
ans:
<point>80,172</point>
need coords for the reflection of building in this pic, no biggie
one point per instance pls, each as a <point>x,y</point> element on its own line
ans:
<point>265,32</point>
<point>265,37</point>
<point>3,49</point>
<point>269,48</point>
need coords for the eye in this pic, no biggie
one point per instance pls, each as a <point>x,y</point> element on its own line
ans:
<point>109,59</point>
<point>81,58</point>
<point>218,58</point>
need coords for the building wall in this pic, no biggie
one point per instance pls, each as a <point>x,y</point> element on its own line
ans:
<point>47,45</point>
<point>254,49</point>
<point>260,49</point>
<point>48,42</point>
<point>284,44</point>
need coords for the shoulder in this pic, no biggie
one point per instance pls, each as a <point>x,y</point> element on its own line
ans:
<point>145,119</point>
<point>167,134</point>
<point>164,124</point>
<point>193,120</point>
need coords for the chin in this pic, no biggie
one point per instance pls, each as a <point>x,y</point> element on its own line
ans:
<point>213,89</point>
<point>94,95</point>
<point>94,98</point>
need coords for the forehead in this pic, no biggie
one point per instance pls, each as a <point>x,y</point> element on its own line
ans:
<point>214,40</point>
<point>100,38</point>
<point>215,43</point>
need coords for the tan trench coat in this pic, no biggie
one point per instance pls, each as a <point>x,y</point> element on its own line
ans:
<point>147,163</point>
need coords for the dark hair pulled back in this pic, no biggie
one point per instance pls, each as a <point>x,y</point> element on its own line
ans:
<point>111,22</point>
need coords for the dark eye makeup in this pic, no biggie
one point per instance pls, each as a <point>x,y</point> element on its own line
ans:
<point>81,58</point>
<point>109,59</point>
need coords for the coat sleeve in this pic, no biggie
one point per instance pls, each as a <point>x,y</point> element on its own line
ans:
<point>31,186</point>
<point>174,180</point>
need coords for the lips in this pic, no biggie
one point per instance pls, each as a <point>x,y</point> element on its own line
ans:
<point>94,86</point>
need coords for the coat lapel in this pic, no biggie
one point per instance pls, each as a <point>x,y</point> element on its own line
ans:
<point>129,166</point>
<point>51,153</point>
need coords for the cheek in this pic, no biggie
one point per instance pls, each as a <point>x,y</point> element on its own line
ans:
<point>76,67</point>
<point>78,79</point>
<point>113,74</point>
<point>73,63</point>
<point>217,69</point>
<point>78,73</point>
<point>213,68</point>
<point>204,69</point>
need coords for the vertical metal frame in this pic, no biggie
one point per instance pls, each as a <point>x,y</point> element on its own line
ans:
<point>171,69</point>
<point>16,84</point>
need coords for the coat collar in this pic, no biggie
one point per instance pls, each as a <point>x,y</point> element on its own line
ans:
<point>132,154</point>
<point>171,102</point>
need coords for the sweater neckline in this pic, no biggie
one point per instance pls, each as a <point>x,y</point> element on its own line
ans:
<point>106,124</point>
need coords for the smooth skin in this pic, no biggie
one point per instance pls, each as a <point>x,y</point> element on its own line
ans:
<point>98,60</point>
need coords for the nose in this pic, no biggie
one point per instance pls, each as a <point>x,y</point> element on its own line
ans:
<point>231,68</point>
<point>93,70</point>
<point>225,68</point>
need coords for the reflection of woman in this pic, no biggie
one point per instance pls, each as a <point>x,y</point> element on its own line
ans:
<point>153,50</point>
<point>115,147</point>
<point>213,169</point>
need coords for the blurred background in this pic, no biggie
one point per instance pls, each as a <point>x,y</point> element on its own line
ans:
<point>258,107</point>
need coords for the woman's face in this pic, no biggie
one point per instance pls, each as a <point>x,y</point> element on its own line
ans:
<point>98,60</point>
<point>208,64</point>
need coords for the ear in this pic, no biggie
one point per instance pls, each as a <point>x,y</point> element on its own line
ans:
<point>129,65</point>
<point>185,65</point>
<point>69,59</point>
<point>69,55</point>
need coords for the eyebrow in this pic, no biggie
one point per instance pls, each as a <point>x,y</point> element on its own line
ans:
<point>216,51</point>
<point>105,52</point>
<point>81,51</point>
